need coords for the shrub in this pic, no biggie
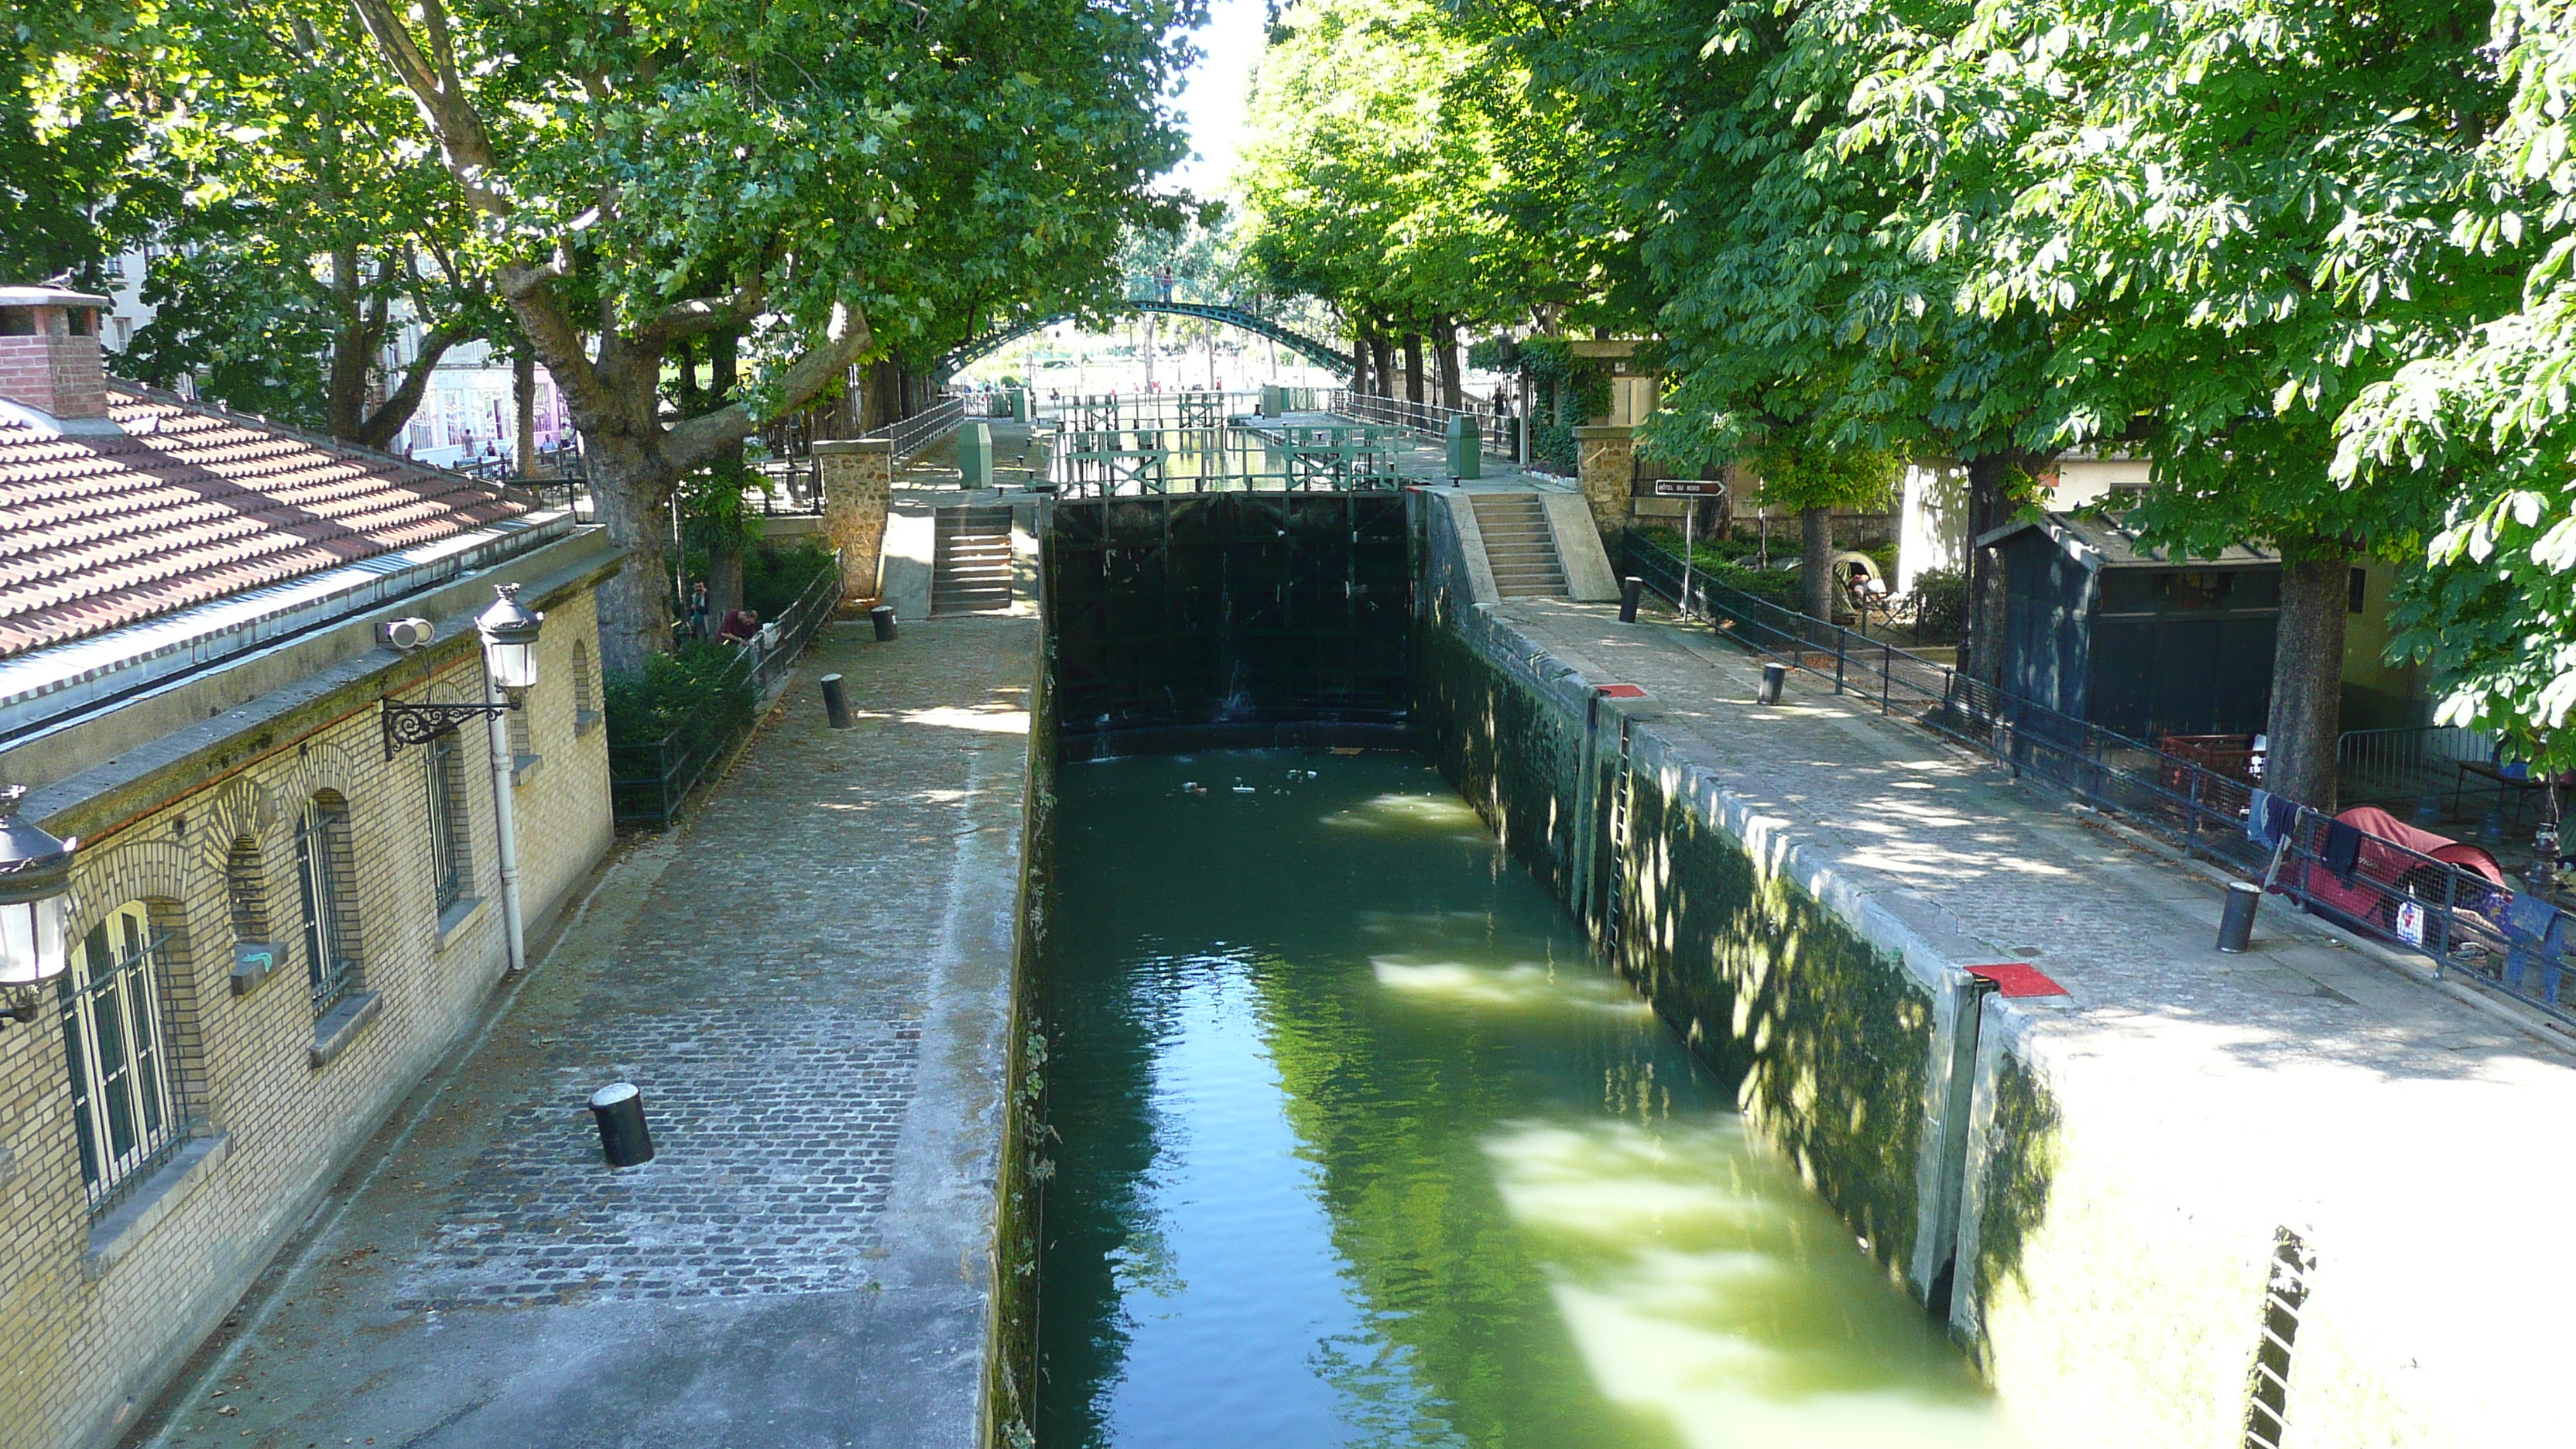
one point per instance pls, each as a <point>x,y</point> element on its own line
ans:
<point>773,578</point>
<point>1942,596</point>
<point>698,690</point>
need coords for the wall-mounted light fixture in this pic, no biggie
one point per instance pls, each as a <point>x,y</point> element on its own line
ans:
<point>35,887</point>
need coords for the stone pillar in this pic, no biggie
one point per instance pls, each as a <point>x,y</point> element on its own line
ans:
<point>1605,467</point>
<point>858,480</point>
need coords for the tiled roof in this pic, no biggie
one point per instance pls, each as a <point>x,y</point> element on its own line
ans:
<point>189,505</point>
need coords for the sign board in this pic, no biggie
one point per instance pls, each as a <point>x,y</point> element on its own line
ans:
<point>1689,488</point>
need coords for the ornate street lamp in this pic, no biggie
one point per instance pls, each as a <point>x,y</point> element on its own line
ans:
<point>509,633</point>
<point>35,885</point>
<point>509,640</point>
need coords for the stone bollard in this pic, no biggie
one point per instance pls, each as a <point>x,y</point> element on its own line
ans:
<point>622,1134</point>
<point>836,702</point>
<point>883,617</point>
<point>1631,590</point>
<point>2236,924</point>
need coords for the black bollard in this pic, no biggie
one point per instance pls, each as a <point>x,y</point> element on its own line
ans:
<point>2236,926</point>
<point>622,1135</point>
<point>1774,678</point>
<point>1631,589</point>
<point>836,702</point>
<point>883,617</point>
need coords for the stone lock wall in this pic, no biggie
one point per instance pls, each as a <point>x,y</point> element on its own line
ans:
<point>99,1310</point>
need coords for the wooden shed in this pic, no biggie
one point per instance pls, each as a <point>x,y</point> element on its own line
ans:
<point>2132,639</point>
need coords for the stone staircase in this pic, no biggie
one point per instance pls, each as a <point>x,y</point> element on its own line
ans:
<point>1519,546</point>
<point>971,568</point>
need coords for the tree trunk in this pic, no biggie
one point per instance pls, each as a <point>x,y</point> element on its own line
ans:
<point>1981,653</point>
<point>1381,364</point>
<point>1413,367</point>
<point>1816,560</point>
<point>1453,386</point>
<point>2307,675</point>
<point>635,605</point>
<point>523,392</point>
<point>1359,358</point>
<point>724,579</point>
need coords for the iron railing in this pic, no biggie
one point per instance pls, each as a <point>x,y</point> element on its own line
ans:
<point>2465,922</point>
<point>1498,435</point>
<point>1146,460</point>
<point>648,782</point>
<point>924,428</point>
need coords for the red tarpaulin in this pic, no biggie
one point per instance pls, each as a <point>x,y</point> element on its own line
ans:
<point>2379,873</point>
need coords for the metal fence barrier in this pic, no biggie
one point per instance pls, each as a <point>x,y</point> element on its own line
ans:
<point>2467,924</point>
<point>648,782</point>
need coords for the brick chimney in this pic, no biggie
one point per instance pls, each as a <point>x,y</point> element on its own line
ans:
<point>50,359</point>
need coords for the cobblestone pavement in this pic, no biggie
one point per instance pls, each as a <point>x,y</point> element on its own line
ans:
<point>2200,1103</point>
<point>808,982</point>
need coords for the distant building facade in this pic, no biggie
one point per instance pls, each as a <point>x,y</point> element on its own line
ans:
<point>278,924</point>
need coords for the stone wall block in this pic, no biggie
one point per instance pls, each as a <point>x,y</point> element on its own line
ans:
<point>858,482</point>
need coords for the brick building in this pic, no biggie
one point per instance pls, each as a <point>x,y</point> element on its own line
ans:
<point>278,924</point>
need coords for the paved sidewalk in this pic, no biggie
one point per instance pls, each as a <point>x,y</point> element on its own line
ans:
<point>2412,1138</point>
<point>809,983</point>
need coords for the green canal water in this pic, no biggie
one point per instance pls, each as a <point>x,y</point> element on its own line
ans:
<point>1361,1146</point>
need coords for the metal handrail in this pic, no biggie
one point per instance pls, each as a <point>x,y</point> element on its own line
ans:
<point>2464,922</point>
<point>1498,435</point>
<point>681,758</point>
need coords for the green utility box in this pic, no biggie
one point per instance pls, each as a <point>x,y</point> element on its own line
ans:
<point>1274,399</point>
<point>975,454</point>
<point>1022,407</point>
<point>1466,447</point>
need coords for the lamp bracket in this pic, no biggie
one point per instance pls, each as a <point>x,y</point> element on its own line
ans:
<point>19,1003</point>
<point>414,724</point>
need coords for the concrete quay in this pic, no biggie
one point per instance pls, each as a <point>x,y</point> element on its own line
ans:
<point>810,982</point>
<point>2186,1151</point>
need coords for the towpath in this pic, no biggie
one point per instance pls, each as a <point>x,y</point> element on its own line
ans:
<point>808,981</point>
<point>2206,1104</point>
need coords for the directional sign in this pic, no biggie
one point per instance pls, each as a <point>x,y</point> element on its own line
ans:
<point>1689,488</point>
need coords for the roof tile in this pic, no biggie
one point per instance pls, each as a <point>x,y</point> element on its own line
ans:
<point>190,505</point>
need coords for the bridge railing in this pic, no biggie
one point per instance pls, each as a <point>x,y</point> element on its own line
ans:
<point>1108,411</point>
<point>1498,435</point>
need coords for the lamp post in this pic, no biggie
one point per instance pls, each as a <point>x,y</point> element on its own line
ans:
<point>509,634</point>
<point>35,886</point>
<point>509,663</point>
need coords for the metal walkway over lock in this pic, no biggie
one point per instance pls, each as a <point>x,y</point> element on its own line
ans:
<point>1322,354</point>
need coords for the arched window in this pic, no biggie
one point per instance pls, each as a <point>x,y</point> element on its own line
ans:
<point>246,890</point>
<point>326,872</point>
<point>585,696</point>
<point>125,1086</point>
<point>451,855</point>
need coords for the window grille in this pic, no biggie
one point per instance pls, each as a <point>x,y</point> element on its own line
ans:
<point>127,1104</point>
<point>450,854</point>
<point>325,870</point>
<point>581,696</point>
<point>246,890</point>
<point>521,743</point>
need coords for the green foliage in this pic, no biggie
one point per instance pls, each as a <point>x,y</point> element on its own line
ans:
<point>699,693</point>
<point>1941,603</point>
<point>773,578</point>
<point>1798,476</point>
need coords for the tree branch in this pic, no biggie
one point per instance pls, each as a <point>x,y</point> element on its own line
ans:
<point>380,426</point>
<point>439,91</point>
<point>693,441</point>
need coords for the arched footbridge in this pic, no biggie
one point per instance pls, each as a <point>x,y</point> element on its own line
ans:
<point>1322,354</point>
